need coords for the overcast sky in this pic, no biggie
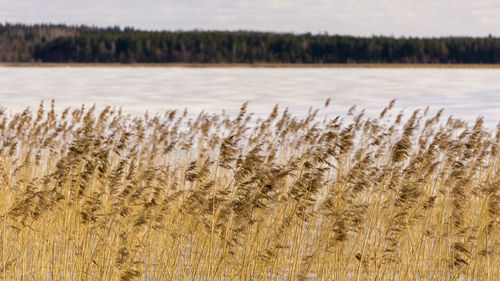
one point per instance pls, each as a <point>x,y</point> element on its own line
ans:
<point>362,17</point>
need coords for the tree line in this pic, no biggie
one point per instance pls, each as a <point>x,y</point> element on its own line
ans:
<point>61,43</point>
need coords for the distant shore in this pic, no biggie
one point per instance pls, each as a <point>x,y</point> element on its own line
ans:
<point>256,65</point>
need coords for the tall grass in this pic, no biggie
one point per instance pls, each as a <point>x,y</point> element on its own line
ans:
<point>91,195</point>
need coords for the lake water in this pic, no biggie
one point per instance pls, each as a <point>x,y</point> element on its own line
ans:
<point>464,93</point>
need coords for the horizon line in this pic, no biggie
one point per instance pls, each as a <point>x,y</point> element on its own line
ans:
<point>255,65</point>
<point>127,28</point>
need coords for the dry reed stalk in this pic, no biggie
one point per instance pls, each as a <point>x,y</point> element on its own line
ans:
<point>89,195</point>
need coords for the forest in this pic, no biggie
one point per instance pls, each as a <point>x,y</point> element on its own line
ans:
<point>85,44</point>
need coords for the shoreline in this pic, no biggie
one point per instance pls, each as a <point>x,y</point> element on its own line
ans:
<point>258,65</point>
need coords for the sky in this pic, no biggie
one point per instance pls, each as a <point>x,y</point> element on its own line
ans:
<point>346,17</point>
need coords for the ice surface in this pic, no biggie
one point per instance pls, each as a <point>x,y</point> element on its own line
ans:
<point>464,93</point>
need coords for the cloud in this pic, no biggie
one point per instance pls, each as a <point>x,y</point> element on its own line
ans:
<point>360,17</point>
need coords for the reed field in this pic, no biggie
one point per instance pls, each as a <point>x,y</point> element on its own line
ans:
<point>89,195</point>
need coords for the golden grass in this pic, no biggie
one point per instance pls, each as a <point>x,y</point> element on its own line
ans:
<point>259,65</point>
<point>107,196</point>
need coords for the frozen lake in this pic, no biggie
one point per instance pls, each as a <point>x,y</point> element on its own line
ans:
<point>464,93</point>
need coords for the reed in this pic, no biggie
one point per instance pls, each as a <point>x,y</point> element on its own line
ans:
<point>89,195</point>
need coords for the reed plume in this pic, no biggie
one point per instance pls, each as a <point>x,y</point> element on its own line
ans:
<point>101,195</point>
